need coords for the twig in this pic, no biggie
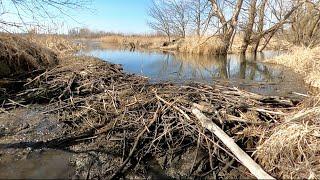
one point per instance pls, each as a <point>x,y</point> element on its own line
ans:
<point>242,156</point>
<point>300,94</point>
<point>16,103</point>
<point>119,171</point>
<point>267,111</point>
<point>174,107</point>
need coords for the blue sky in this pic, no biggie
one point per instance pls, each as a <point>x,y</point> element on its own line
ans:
<point>127,16</point>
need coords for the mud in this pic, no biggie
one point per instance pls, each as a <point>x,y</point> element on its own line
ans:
<point>21,156</point>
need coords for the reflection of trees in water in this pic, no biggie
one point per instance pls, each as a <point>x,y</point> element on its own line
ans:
<point>250,68</point>
<point>200,66</point>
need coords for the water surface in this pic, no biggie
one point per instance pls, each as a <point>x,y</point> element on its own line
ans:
<point>247,72</point>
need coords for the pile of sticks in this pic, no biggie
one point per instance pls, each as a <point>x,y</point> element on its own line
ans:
<point>135,120</point>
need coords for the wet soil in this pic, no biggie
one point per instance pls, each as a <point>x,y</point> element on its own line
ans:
<point>22,131</point>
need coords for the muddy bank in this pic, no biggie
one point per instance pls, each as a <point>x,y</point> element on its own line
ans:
<point>118,125</point>
<point>23,133</point>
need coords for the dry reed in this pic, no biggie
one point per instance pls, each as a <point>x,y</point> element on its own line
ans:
<point>206,45</point>
<point>62,45</point>
<point>148,42</point>
<point>203,46</point>
<point>17,55</point>
<point>292,149</point>
<point>304,61</point>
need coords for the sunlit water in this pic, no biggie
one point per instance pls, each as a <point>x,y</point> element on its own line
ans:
<point>249,73</point>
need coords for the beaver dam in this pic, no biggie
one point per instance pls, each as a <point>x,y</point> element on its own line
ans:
<point>86,118</point>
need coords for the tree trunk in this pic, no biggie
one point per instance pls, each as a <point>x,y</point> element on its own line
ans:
<point>273,29</point>
<point>260,24</point>
<point>228,27</point>
<point>249,28</point>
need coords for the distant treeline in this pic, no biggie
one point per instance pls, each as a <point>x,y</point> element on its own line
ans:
<point>87,33</point>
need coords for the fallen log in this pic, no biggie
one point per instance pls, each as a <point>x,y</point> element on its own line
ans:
<point>242,156</point>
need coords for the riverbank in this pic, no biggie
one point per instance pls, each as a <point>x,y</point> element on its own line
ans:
<point>304,61</point>
<point>301,128</point>
<point>193,45</point>
<point>119,125</point>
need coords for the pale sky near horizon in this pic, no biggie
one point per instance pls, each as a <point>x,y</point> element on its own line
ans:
<point>118,16</point>
<point>126,16</point>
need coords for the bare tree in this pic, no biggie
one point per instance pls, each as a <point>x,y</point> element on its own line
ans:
<point>305,24</point>
<point>261,16</point>
<point>282,15</point>
<point>274,13</point>
<point>228,26</point>
<point>179,16</point>
<point>23,13</point>
<point>199,16</point>
<point>160,18</point>
<point>259,20</point>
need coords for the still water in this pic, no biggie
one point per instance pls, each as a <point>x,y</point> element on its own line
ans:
<point>247,72</point>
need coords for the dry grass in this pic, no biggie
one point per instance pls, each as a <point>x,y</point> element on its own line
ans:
<point>139,41</point>
<point>292,149</point>
<point>204,46</point>
<point>191,44</point>
<point>18,55</point>
<point>61,45</point>
<point>304,61</point>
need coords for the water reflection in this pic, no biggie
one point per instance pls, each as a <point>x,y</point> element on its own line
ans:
<point>179,67</point>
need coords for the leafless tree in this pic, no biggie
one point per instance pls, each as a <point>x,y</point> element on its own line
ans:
<point>23,13</point>
<point>282,15</point>
<point>249,26</point>
<point>260,25</point>
<point>179,16</point>
<point>228,26</point>
<point>305,24</point>
<point>199,16</point>
<point>257,20</point>
<point>272,15</point>
<point>160,18</point>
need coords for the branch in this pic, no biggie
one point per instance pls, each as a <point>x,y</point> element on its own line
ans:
<point>242,156</point>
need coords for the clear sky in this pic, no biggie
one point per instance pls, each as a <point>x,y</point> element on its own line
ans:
<point>127,16</point>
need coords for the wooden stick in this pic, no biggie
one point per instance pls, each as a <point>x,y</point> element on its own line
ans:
<point>267,111</point>
<point>136,142</point>
<point>242,156</point>
<point>174,107</point>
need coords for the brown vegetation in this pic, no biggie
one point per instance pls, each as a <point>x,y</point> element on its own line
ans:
<point>190,44</point>
<point>148,42</point>
<point>291,149</point>
<point>17,55</point>
<point>62,45</point>
<point>304,61</point>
